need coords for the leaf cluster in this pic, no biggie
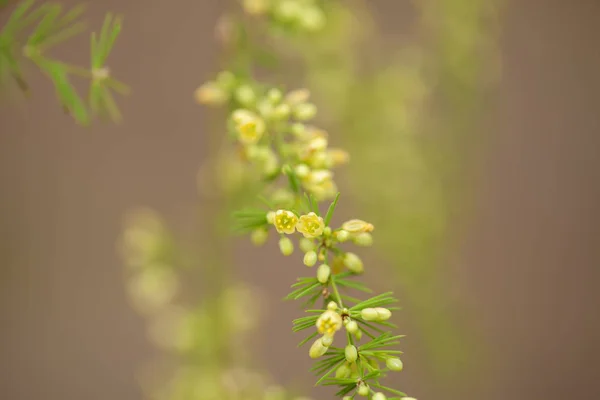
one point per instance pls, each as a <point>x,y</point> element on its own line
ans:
<point>33,30</point>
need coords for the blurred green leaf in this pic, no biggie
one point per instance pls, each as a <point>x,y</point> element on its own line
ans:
<point>102,45</point>
<point>66,93</point>
<point>44,27</point>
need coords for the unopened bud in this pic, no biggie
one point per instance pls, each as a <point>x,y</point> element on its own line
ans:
<point>302,170</point>
<point>352,327</point>
<point>343,371</point>
<point>323,273</point>
<point>369,314</point>
<point>310,258</point>
<point>395,364</point>
<point>274,95</point>
<point>353,263</point>
<point>245,95</point>
<point>210,93</point>
<point>306,245</point>
<point>259,236</point>
<point>332,306</point>
<point>317,349</point>
<point>363,389</point>
<point>357,226</point>
<point>297,96</point>
<point>383,314</point>
<point>376,314</point>
<point>378,396</point>
<point>351,353</point>
<point>286,246</point>
<point>282,111</point>
<point>305,111</point>
<point>364,239</point>
<point>327,340</point>
<point>342,235</point>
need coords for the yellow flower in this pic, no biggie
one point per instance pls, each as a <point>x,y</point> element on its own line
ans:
<point>250,127</point>
<point>285,221</point>
<point>329,323</point>
<point>357,226</point>
<point>310,225</point>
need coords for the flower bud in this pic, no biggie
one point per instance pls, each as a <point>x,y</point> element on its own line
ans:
<point>358,334</point>
<point>378,396</point>
<point>211,93</point>
<point>298,129</point>
<point>342,235</point>
<point>327,340</point>
<point>312,19</point>
<point>343,371</point>
<point>351,353</point>
<point>306,245</point>
<point>297,96</point>
<point>310,258</point>
<point>287,10</point>
<point>321,255</point>
<point>353,263</point>
<point>226,79</point>
<point>363,389</point>
<point>338,157</point>
<point>394,363</point>
<point>282,111</point>
<point>332,306</point>
<point>317,349</point>
<point>352,327</point>
<point>327,231</point>
<point>364,239</point>
<point>323,273</point>
<point>383,314</point>
<point>357,226</point>
<point>347,398</point>
<point>274,95</point>
<point>259,236</point>
<point>271,217</point>
<point>286,246</point>
<point>369,314</point>
<point>245,95</point>
<point>305,111</point>
<point>302,170</point>
<point>376,314</point>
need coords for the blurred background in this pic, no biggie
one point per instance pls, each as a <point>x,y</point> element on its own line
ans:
<point>473,129</point>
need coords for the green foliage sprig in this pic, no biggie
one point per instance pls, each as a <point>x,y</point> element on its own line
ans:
<point>292,158</point>
<point>32,31</point>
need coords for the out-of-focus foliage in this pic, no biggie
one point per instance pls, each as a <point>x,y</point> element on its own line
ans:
<point>209,358</point>
<point>29,35</point>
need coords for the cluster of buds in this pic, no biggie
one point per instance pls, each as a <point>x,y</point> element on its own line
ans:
<point>304,15</point>
<point>274,133</point>
<point>319,240</point>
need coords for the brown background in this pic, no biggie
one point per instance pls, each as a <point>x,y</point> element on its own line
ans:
<point>530,261</point>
